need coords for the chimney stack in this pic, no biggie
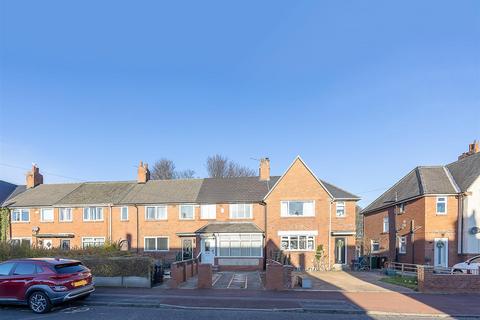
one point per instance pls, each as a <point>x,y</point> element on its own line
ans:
<point>264,170</point>
<point>34,178</point>
<point>472,149</point>
<point>143,173</point>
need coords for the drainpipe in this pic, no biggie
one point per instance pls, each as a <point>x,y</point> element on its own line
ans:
<point>138,228</point>
<point>462,224</point>
<point>110,223</point>
<point>265,237</point>
<point>329,232</point>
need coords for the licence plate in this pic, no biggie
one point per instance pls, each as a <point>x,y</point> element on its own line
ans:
<point>79,283</point>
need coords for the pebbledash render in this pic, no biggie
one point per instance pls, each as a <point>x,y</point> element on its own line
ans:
<point>233,223</point>
<point>431,216</point>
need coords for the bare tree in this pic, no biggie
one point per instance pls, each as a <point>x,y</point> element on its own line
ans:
<point>219,166</point>
<point>184,174</point>
<point>164,169</point>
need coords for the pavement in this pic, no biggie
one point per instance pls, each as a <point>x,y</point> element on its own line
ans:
<point>332,302</point>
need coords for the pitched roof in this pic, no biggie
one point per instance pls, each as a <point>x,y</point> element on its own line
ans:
<point>419,181</point>
<point>338,193</point>
<point>42,195</point>
<point>164,191</point>
<point>230,227</point>
<point>242,189</point>
<point>9,190</point>
<point>97,193</point>
<point>465,171</point>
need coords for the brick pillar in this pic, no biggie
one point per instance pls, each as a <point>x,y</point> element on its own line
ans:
<point>174,273</point>
<point>274,277</point>
<point>205,276</point>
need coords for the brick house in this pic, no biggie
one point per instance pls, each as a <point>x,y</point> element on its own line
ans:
<point>233,223</point>
<point>430,216</point>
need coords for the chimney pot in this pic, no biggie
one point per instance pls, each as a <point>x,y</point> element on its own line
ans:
<point>472,149</point>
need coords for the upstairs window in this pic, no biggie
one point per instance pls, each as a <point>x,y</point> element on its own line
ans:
<point>240,211</point>
<point>124,214</point>
<point>20,215</point>
<point>46,215</point>
<point>187,212</point>
<point>156,213</point>
<point>65,214</point>
<point>297,208</point>
<point>385,225</point>
<point>441,205</point>
<point>401,208</point>
<point>208,211</point>
<point>341,209</point>
<point>92,214</point>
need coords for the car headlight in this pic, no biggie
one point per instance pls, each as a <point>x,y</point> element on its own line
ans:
<point>59,288</point>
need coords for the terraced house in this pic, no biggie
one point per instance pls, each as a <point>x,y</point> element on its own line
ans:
<point>234,223</point>
<point>431,216</point>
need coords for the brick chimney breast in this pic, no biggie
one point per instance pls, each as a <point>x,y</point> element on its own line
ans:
<point>143,173</point>
<point>34,178</point>
<point>264,170</point>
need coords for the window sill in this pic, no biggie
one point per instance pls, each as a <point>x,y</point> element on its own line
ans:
<point>66,221</point>
<point>155,220</point>
<point>124,220</point>
<point>340,217</point>
<point>92,221</point>
<point>298,250</point>
<point>440,214</point>
<point>295,217</point>
<point>156,250</point>
<point>47,221</point>
<point>20,222</point>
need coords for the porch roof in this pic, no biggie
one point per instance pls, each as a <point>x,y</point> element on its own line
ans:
<point>230,227</point>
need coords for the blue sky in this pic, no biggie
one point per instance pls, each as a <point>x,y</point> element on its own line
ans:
<point>362,90</point>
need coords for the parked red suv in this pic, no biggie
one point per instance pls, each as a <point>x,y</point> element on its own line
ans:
<point>43,282</point>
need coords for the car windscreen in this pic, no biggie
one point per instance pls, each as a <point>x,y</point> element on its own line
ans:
<point>70,268</point>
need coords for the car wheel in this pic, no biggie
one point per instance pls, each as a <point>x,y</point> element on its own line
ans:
<point>39,302</point>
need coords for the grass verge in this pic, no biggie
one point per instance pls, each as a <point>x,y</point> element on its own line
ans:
<point>408,282</point>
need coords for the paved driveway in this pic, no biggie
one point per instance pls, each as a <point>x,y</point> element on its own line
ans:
<point>352,282</point>
<point>237,280</point>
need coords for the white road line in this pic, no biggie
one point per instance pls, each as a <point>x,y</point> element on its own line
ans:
<point>231,280</point>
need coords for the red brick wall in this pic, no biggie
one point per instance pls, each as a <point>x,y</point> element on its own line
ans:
<point>429,282</point>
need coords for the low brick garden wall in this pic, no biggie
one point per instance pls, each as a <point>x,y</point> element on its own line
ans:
<point>430,282</point>
<point>278,276</point>
<point>181,271</point>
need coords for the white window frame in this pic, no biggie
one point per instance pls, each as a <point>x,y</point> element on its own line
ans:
<point>180,211</point>
<point>49,220</point>
<point>285,208</point>
<point>290,236</point>
<point>386,225</point>
<point>121,213</point>
<point>236,205</point>
<point>207,208</point>
<point>220,241</point>
<point>445,201</point>
<point>371,246</point>
<point>23,238</point>
<point>60,215</point>
<point>19,210</point>
<point>402,240</point>
<point>93,240</point>
<point>401,207</point>
<point>156,218</point>
<point>156,244</point>
<point>90,214</point>
<point>344,206</point>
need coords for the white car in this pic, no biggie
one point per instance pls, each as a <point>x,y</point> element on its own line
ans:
<point>471,264</point>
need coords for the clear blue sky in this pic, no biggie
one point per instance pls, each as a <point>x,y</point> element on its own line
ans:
<point>362,90</point>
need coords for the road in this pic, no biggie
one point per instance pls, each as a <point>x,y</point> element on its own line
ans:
<point>81,312</point>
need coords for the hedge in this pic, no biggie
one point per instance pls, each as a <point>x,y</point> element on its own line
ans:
<point>106,261</point>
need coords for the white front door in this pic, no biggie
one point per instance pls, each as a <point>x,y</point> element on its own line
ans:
<point>208,250</point>
<point>47,244</point>
<point>440,252</point>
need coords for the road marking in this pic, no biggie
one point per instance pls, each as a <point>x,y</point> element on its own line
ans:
<point>233,276</point>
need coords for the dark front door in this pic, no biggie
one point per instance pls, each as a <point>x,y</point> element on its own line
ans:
<point>340,250</point>
<point>187,249</point>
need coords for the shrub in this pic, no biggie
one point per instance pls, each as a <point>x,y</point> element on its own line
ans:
<point>120,266</point>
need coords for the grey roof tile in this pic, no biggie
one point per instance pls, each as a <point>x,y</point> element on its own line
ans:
<point>230,227</point>
<point>97,193</point>
<point>164,191</point>
<point>42,195</point>
<point>420,181</point>
<point>465,171</point>
<point>338,193</point>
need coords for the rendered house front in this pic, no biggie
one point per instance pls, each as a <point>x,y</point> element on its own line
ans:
<point>234,223</point>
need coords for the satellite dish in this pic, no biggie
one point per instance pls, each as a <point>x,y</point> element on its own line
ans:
<point>35,229</point>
